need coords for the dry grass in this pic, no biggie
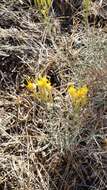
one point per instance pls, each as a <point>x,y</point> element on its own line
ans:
<point>46,146</point>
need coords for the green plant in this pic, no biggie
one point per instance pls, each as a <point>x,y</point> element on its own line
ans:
<point>86,8</point>
<point>43,7</point>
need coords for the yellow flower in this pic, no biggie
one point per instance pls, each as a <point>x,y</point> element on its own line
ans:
<point>73,92</point>
<point>78,96</point>
<point>30,85</point>
<point>82,92</point>
<point>43,82</point>
<point>41,88</point>
<point>44,89</point>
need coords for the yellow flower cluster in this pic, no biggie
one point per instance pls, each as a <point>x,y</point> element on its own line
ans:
<point>78,96</point>
<point>41,89</point>
<point>44,89</point>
